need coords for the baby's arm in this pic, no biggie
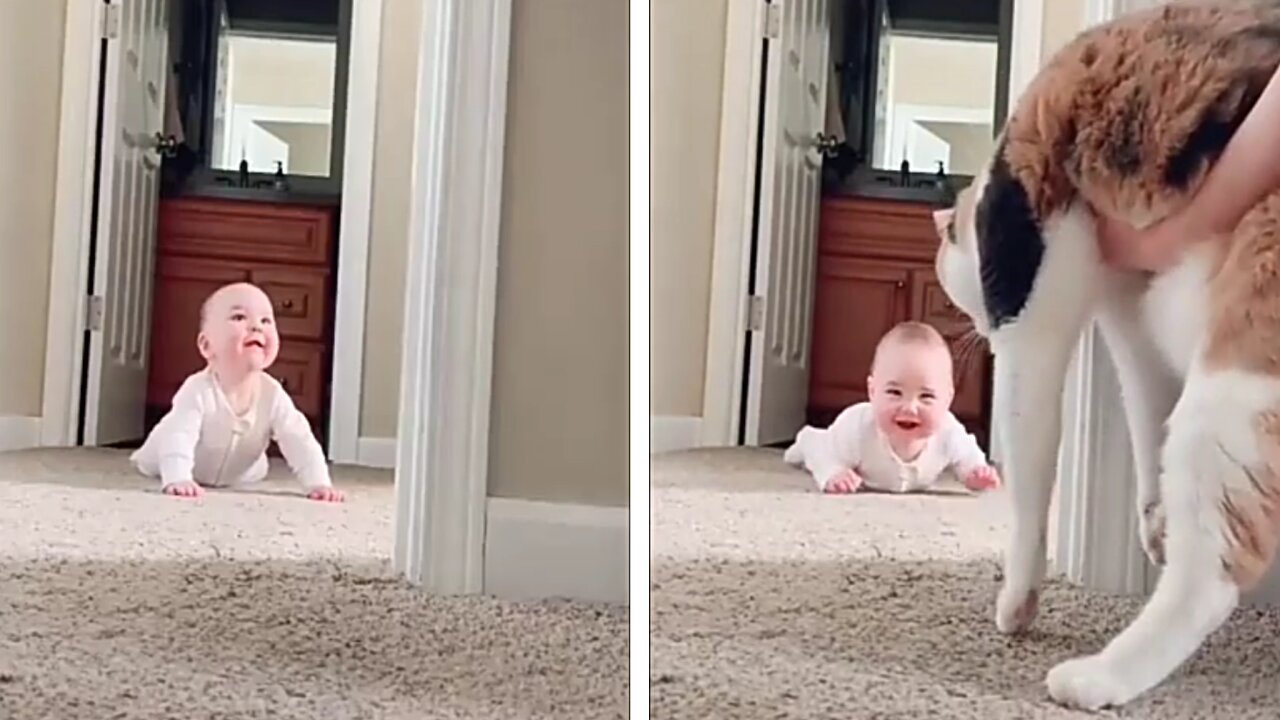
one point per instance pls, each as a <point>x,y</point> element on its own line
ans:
<point>831,454</point>
<point>967,458</point>
<point>292,432</point>
<point>175,438</point>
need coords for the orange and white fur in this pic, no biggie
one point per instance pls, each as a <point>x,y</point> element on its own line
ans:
<point>1127,119</point>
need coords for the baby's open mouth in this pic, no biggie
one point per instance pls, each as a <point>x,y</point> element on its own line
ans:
<point>255,343</point>
<point>907,424</point>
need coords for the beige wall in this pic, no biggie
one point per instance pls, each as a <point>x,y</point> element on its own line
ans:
<point>1063,19</point>
<point>951,73</point>
<point>686,80</point>
<point>30,82</point>
<point>389,236</point>
<point>561,355</point>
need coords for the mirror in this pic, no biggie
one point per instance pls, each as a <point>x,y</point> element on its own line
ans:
<point>274,79</point>
<point>935,103</point>
<point>274,103</point>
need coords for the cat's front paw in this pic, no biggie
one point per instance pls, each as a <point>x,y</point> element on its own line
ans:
<point>1151,532</point>
<point>1087,683</point>
<point>1016,608</point>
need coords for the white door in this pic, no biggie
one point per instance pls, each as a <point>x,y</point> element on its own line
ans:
<point>124,249</point>
<point>791,172</point>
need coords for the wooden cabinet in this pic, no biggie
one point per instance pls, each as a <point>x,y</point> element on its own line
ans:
<point>874,270</point>
<point>287,250</point>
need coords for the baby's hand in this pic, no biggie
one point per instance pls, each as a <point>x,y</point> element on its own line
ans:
<point>327,494</point>
<point>843,483</point>
<point>982,478</point>
<point>184,489</point>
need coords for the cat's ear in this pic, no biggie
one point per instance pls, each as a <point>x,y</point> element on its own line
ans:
<point>942,221</point>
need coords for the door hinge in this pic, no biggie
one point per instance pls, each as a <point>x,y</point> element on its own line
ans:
<point>755,313</point>
<point>773,20</point>
<point>93,313</point>
<point>110,21</point>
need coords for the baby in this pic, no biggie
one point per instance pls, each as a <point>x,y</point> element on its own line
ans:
<point>224,416</point>
<point>905,437</point>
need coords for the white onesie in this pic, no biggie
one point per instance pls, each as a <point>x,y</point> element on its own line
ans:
<point>201,439</point>
<point>854,442</point>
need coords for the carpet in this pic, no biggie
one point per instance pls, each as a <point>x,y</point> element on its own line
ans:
<point>119,603</point>
<point>770,601</point>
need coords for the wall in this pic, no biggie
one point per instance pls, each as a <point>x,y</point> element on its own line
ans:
<point>686,80</point>
<point>389,236</point>
<point>30,83</point>
<point>1063,19</point>
<point>560,374</point>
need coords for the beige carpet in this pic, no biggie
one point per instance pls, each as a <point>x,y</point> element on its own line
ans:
<point>119,603</point>
<point>771,601</point>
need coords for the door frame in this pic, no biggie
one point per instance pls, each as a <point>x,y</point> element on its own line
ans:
<point>441,477</point>
<point>735,189</point>
<point>442,450</point>
<point>73,211</point>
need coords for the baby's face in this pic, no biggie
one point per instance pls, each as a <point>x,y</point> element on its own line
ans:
<point>911,389</point>
<point>239,332</point>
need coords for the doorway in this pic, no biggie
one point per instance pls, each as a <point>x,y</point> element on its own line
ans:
<point>146,154</point>
<point>808,273</point>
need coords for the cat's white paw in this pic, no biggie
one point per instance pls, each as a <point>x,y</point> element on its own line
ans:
<point>1151,532</point>
<point>1087,683</point>
<point>1016,608</point>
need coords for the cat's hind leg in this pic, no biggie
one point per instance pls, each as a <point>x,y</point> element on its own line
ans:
<point>1149,390</point>
<point>1222,501</point>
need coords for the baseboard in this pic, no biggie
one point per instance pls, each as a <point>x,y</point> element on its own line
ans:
<point>537,550</point>
<point>376,452</point>
<point>19,433</point>
<point>668,433</point>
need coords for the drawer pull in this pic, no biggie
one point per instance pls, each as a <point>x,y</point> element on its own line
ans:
<point>900,284</point>
<point>287,304</point>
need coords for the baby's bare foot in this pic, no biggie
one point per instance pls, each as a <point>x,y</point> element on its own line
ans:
<point>843,483</point>
<point>327,494</point>
<point>184,489</point>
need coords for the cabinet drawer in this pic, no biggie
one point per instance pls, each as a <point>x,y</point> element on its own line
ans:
<point>245,230</point>
<point>300,369</point>
<point>877,229</point>
<point>300,297</point>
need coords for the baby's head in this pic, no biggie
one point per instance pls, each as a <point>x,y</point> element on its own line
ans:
<point>238,330</point>
<point>911,385</point>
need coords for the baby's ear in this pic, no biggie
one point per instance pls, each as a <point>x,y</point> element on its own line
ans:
<point>204,346</point>
<point>942,220</point>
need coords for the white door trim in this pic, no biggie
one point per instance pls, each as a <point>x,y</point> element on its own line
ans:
<point>739,122</point>
<point>735,186</point>
<point>354,229</point>
<point>443,429</point>
<point>69,265</point>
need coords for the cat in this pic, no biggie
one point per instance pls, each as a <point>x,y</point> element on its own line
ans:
<point>1126,120</point>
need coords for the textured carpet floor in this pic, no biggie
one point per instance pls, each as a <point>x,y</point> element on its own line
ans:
<point>119,603</point>
<point>772,601</point>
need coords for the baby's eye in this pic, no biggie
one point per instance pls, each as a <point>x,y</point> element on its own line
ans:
<point>894,392</point>
<point>267,321</point>
<point>238,317</point>
<point>927,397</point>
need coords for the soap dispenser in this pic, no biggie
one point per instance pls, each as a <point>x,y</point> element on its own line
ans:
<point>281,183</point>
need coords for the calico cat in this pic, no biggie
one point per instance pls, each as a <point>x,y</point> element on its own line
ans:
<point>1127,119</point>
